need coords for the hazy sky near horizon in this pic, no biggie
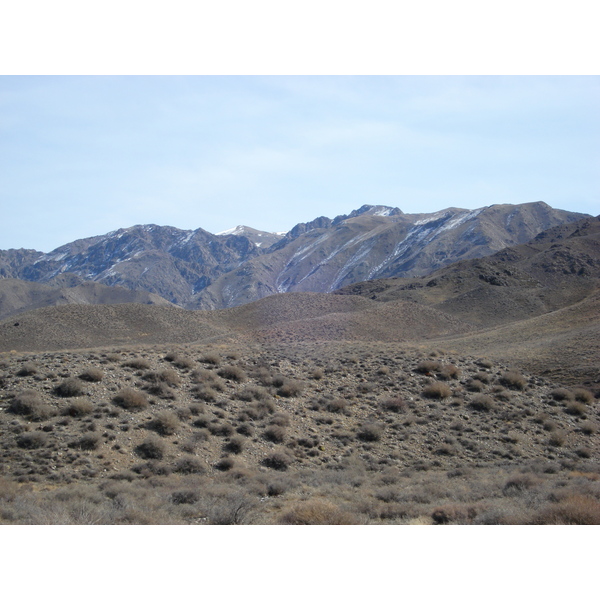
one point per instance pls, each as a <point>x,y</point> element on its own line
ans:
<point>85,155</point>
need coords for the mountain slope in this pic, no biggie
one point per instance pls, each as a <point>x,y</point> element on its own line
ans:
<point>377,242</point>
<point>196,269</point>
<point>560,267</point>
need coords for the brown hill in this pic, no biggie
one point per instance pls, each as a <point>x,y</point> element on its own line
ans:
<point>17,296</point>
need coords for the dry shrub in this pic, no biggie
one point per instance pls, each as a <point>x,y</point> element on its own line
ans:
<point>32,440</point>
<point>203,392</point>
<point>482,403</point>
<point>79,408</point>
<point>235,445</point>
<point>483,377</point>
<point>475,385</point>
<point>437,390</point>
<point>280,418</point>
<point>137,363</point>
<point>575,408</point>
<point>29,368</point>
<point>232,373</point>
<point>152,448</point>
<point>454,513</point>
<point>557,439</point>
<point>245,429</point>
<point>318,512</point>
<point>92,374</point>
<point>290,388</point>
<point>182,362</point>
<point>274,433</point>
<point>131,399</point>
<point>370,432</point>
<point>250,393</point>
<point>221,429</point>
<point>485,363</point>
<point>225,464</point>
<point>185,497</point>
<point>279,461</point>
<point>395,404</point>
<point>69,388</point>
<point>513,380</point>
<point>428,366</point>
<point>584,396</point>
<point>337,405</point>
<point>589,428</point>
<point>520,483</point>
<point>169,377</point>
<point>165,423</point>
<point>29,404</point>
<point>317,374</point>
<point>211,358</point>
<point>189,466</point>
<point>89,441</point>
<point>573,510</point>
<point>449,372</point>
<point>562,394</point>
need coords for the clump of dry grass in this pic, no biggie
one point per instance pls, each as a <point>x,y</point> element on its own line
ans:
<point>437,390</point>
<point>572,510</point>
<point>316,511</point>
<point>137,363</point>
<point>79,408</point>
<point>232,373</point>
<point>92,374</point>
<point>166,422</point>
<point>29,368</point>
<point>482,403</point>
<point>370,432</point>
<point>513,380</point>
<point>152,448</point>
<point>131,399</point>
<point>29,404</point>
<point>69,387</point>
<point>394,404</point>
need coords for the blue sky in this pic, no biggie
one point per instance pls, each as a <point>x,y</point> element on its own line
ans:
<point>82,156</point>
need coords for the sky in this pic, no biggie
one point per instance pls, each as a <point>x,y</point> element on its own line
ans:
<point>85,155</point>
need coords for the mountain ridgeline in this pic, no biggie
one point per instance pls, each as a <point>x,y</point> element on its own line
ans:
<point>199,270</point>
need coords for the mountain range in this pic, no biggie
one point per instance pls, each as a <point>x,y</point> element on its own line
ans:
<point>196,269</point>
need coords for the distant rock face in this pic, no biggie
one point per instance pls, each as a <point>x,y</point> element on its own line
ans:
<point>197,269</point>
<point>376,242</point>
